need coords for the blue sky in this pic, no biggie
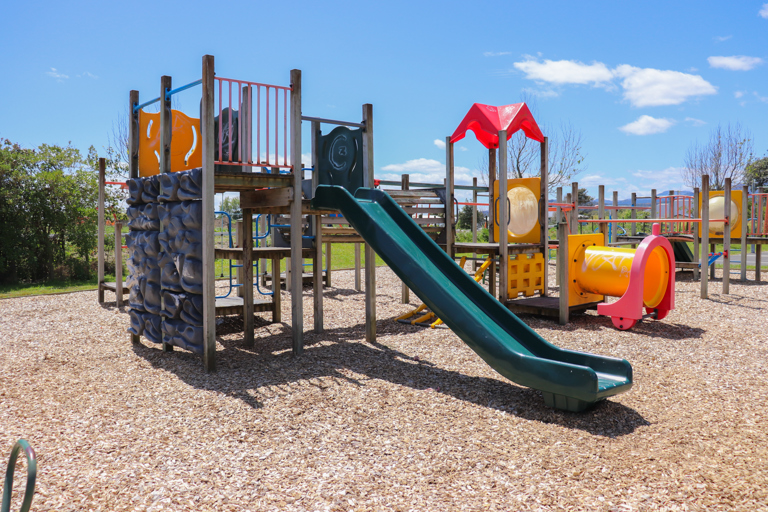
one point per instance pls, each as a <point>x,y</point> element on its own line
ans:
<point>641,81</point>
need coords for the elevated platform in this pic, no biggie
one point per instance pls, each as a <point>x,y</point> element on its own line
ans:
<point>233,305</point>
<point>545,306</point>
<point>493,248</point>
<point>113,287</point>
<point>236,253</point>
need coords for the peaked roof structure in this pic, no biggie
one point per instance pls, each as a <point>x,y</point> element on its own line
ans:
<point>487,121</point>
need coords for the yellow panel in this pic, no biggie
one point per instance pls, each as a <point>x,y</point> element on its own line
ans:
<point>717,228</point>
<point>524,195</point>
<point>577,247</point>
<point>526,275</point>
<point>185,138</point>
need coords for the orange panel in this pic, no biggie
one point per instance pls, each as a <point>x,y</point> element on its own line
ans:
<point>524,195</point>
<point>186,147</point>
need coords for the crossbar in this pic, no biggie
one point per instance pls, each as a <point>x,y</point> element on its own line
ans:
<point>332,121</point>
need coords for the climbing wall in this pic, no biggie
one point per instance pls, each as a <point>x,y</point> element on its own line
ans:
<point>174,272</point>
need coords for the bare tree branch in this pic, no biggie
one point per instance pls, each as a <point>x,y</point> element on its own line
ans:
<point>725,155</point>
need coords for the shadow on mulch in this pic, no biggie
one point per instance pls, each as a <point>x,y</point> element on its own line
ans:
<point>242,371</point>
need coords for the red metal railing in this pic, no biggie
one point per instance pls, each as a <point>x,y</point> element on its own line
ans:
<point>272,101</point>
<point>758,222</point>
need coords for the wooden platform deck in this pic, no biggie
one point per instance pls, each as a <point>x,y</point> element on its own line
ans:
<point>493,249</point>
<point>113,287</point>
<point>233,305</point>
<point>545,306</point>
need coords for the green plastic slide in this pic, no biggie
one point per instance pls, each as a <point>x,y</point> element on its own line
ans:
<point>569,380</point>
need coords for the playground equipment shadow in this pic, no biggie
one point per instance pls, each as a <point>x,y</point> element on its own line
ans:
<point>587,322</point>
<point>245,374</point>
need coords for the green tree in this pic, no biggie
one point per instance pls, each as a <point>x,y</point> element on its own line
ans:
<point>48,200</point>
<point>231,205</point>
<point>757,173</point>
<point>464,221</point>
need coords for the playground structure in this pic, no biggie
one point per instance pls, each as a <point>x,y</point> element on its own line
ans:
<point>405,236</point>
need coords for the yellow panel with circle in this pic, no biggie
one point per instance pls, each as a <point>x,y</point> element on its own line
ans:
<point>717,211</point>
<point>526,275</point>
<point>523,197</point>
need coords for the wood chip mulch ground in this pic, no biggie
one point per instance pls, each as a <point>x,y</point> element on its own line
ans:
<point>415,421</point>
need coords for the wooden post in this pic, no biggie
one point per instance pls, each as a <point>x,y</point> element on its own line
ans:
<point>449,194</point>
<point>276,297</point>
<point>474,222</point>
<point>370,256</point>
<point>615,215</point>
<point>744,228</point>
<point>558,220</point>
<point>562,272</point>
<point>704,234</point>
<point>209,260</point>
<point>246,242</point>
<point>602,226</point>
<point>166,125</point>
<point>633,215</point>
<point>653,204</point>
<point>758,247</point>
<point>119,263</point>
<point>544,213</point>
<point>297,263</point>
<point>101,220</point>
<point>317,263</point>
<point>404,291</point>
<point>503,220</point>
<point>727,237</point>
<point>491,218</point>
<point>575,211</point>
<point>328,264</point>
<point>696,238</point>
<point>133,155</point>
<point>491,208</point>
<point>240,237</point>
<point>358,280</point>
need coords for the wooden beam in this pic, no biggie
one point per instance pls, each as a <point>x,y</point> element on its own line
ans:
<point>277,315</point>
<point>704,234</point>
<point>653,203</point>
<point>166,125</point>
<point>615,228</point>
<point>297,263</point>
<point>602,227</point>
<point>328,263</point>
<point>358,280</point>
<point>575,211</point>
<point>544,212</point>
<point>744,229</point>
<point>370,256</point>
<point>503,220</point>
<point>474,223</point>
<point>491,209</point>
<point>266,198</point>
<point>317,260</point>
<point>119,263</point>
<point>101,221</point>
<point>209,270</point>
<point>246,242</point>
<point>696,240</point>
<point>133,137</point>
<point>558,219</point>
<point>727,237</point>
<point>562,271</point>
<point>633,214</point>
<point>449,192</point>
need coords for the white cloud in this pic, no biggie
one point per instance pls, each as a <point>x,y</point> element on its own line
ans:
<point>643,87</point>
<point>738,94</point>
<point>764,99</point>
<point>90,75</point>
<point>462,148</point>
<point>565,71</point>
<point>735,62</point>
<point>425,170</point>
<point>764,11</point>
<point>495,54</point>
<point>55,74</point>
<point>640,182</point>
<point>654,87</point>
<point>721,39</point>
<point>670,178</point>
<point>647,125</point>
<point>439,143</point>
<point>695,122</point>
<point>541,93</point>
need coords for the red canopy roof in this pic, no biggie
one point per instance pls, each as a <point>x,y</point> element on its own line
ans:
<point>487,121</point>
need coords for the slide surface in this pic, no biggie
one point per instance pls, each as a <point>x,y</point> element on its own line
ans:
<point>569,380</point>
